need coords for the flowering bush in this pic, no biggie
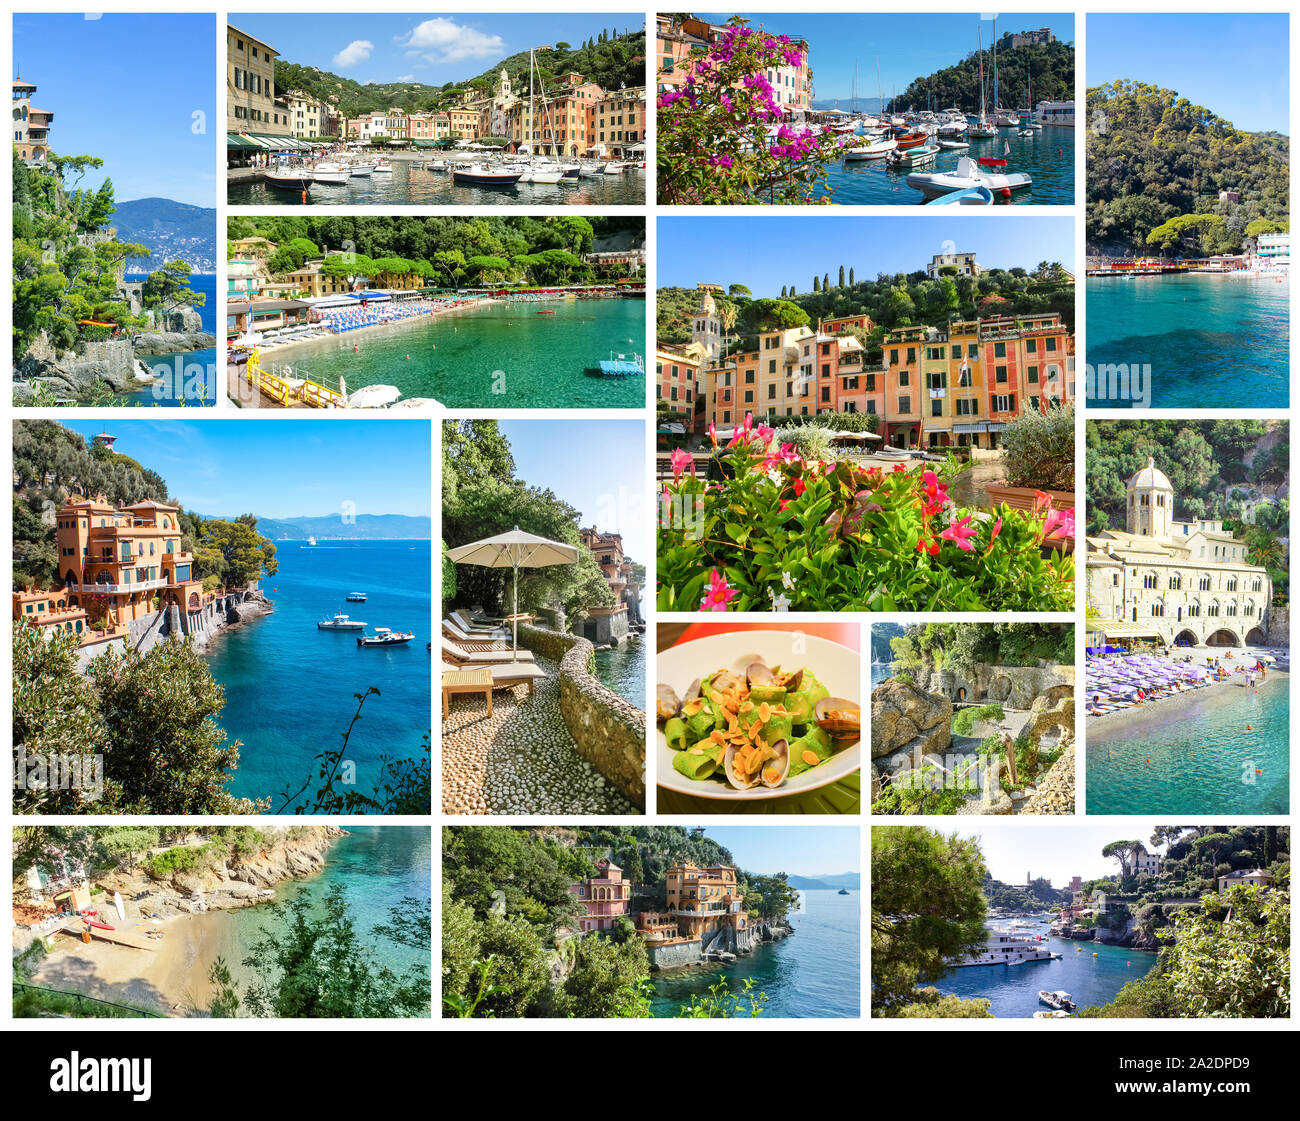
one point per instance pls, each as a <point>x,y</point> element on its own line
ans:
<point>714,145</point>
<point>784,533</point>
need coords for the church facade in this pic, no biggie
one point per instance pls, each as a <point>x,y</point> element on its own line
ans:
<point>1185,583</point>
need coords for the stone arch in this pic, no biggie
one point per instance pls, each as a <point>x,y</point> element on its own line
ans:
<point>1256,637</point>
<point>1187,634</point>
<point>1224,636</point>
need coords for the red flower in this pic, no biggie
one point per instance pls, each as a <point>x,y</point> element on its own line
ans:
<point>799,487</point>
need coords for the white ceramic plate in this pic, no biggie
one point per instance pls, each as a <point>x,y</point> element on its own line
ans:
<point>835,666</point>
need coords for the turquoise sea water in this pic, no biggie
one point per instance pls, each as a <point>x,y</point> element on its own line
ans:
<point>814,973</point>
<point>623,670</point>
<point>376,867</point>
<point>1197,761</point>
<point>193,390</point>
<point>1013,989</point>
<point>502,356</point>
<point>1211,341</point>
<point>880,672</point>
<point>289,686</point>
<point>1048,157</point>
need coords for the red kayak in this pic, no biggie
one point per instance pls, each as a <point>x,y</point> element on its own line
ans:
<point>546,312</point>
<point>100,925</point>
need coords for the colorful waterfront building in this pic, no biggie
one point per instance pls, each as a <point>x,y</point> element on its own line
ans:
<point>31,125</point>
<point>50,608</point>
<point>903,348</point>
<point>678,377</point>
<point>678,36</point>
<point>604,897</point>
<point>619,571</point>
<point>703,900</point>
<point>120,565</point>
<point>250,87</point>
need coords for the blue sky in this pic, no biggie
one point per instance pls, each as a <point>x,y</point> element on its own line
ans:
<point>739,250</point>
<point>125,88</point>
<point>1056,852</point>
<point>281,468</point>
<point>1233,65</point>
<point>812,850</point>
<point>596,466</point>
<point>908,46</point>
<point>426,48</point>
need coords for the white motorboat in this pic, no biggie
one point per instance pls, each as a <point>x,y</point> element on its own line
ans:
<point>382,167</point>
<point>914,157</point>
<point>361,170</point>
<point>341,623</point>
<point>1007,949</point>
<point>970,173</point>
<point>332,174</point>
<point>954,145</point>
<point>385,637</point>
<point>877,150</point>
<point>534,175</point>
<point>1058,1000</point>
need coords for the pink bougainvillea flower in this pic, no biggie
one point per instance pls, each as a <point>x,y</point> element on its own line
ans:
<point>718,595</point>
<point>959,533</point>
<point>681,461</point>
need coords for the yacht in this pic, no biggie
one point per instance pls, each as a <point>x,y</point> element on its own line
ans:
<point>1007,949</point>
<point>1055,113</point>
<point>481,175</point>
<point>289,178</point>
<point>341,623</point>
<point>385,637</point>
<point>356,597</point>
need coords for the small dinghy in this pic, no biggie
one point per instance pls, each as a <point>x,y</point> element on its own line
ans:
<point>914,157</point>
<point>971,196</point>
<point>986,172</point>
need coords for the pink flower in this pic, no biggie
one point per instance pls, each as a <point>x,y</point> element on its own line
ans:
<point>713,433</point>
<point>681,461</point>
<point>1059,523</point>
<point>997,528</point>
<point>959,533</point>
<point>718,595</point>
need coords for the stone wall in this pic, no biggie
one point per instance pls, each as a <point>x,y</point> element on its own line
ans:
<point>1012,686</point>
<point>609,732</point>
<point>1279,625</point>
<point>674,956</point>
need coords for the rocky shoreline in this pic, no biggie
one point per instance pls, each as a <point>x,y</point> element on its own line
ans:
<point>254,606</point>
<point>243,879</point>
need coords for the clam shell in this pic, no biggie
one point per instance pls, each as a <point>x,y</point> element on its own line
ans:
<point>773,772</point>
<point>667,704</point>
<point>759,673</point>
<point>838,717</point>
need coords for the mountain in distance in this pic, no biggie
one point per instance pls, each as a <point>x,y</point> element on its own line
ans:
<point>850,880</point>
<point>173,231</point>
<point>363,527</point>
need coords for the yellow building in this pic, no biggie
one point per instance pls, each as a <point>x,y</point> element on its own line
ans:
<point>703,900</point>
<point>250,87</point>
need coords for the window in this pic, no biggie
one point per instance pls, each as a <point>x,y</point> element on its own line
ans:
<point>904,404</point>
<point>1000,374</point>
<point>936,407</point>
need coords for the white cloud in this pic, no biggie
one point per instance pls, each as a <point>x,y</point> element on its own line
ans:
<point>356,51</point>
<point>444,40</point>
<point>405,78</point>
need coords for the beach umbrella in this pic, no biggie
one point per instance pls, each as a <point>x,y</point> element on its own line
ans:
<point>514,550</point>
<point>374,397</point>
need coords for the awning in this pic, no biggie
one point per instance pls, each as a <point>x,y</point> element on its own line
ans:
<point>1112,628</point>
<point>242,143</point>
<point>982,426</point>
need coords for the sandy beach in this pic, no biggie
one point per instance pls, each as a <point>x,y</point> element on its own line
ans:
<point>1134,723</point>
<point>171,979</point>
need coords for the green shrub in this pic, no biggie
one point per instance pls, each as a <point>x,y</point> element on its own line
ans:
<point>1038,449</point>
<point>965,719</point>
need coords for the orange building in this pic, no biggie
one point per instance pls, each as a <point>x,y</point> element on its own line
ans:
<point>703,900</point>
<point>676,37</point>
<point>54,609</point>
<point>904,390</point>
<point>114,563</point>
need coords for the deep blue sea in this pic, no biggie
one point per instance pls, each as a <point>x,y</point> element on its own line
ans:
<point>376,866</point>
<point>1091,973</point>
<point>194,390</point>
<point>289,686</point>
<point>814,973</point>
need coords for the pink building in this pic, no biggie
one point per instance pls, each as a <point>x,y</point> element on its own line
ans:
<point>604,896</point>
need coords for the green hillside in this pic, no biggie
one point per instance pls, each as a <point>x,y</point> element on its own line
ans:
<point>1154,156</point>
<point>1046,72</point>
<point>613,59</point>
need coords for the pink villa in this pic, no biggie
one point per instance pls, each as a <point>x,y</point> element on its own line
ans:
<point>603,896</point>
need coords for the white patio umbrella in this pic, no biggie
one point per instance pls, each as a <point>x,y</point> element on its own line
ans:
<point>514,550</point>
<point>374,397</point>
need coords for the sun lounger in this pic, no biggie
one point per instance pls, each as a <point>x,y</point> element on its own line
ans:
<point>454,652</point>
<point>502,676</point>
<point>473,641</point>
<point>463,622</point>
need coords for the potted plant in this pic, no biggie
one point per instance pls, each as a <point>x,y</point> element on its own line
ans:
<point>1038,459</point>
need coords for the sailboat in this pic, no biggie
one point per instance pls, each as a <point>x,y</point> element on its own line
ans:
<point>877,146</point>
<point>982,128</point>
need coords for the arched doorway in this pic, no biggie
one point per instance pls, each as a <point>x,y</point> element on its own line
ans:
<point>1185,638</point>
<point>1223,637</point>
<point>1256,637</point>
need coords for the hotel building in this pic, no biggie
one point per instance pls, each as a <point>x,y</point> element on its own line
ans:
<point>703,900</point>
<point>1184,583</point>
<point>251,104</point>
<point>31,125</point>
